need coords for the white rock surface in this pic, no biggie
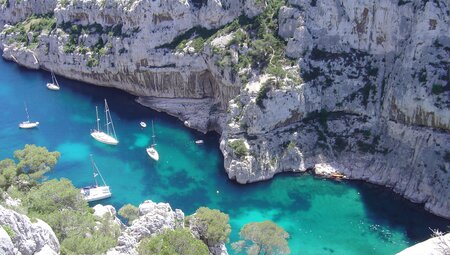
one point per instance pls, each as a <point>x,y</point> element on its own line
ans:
<point>109,212</point>
<point>154,219</point>
<point>6,244</point>
<point>30,238</point>
<point>432,246</point>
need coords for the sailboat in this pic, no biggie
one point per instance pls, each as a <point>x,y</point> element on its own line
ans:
<point>110,136</point>
<point>151,151</point>
<point>54,85</point>
<point>95,192</point>
<point>28,123</point>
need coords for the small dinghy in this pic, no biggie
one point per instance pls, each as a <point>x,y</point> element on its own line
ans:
<point>143,124</point>
<point>199,141</point>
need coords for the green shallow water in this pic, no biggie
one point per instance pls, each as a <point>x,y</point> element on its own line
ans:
<point>322,216</point>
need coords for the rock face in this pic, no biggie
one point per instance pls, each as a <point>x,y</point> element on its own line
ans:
<point>154,219</point>
<point>373,102</point>
<point>433,246</point>
<point>133,33</point>
<point>26,237</point>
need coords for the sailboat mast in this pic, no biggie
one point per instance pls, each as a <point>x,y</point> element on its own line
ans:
<point>153,134</point>
<point>54,79</point>
<point>98,120</point>
<point>94,170</point>
<point>26,110</point>
<point>106,116</point>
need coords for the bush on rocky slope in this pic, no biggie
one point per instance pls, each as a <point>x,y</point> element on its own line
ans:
<point>176,242</point>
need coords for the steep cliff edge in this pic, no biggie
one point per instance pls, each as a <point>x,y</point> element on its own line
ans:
<point>25,237</point>
<point>374,104</point>
<point>372,101</point>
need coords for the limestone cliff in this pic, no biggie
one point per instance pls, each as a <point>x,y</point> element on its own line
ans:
<point>372,101</point>
<point>18,235</point>
<point>439,245</point>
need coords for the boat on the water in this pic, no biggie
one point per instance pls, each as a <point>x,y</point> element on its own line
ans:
<point>28,124</point>
<point>143,124</point>
<point>96,192</point>
<point>199,141</point>
<point>54,85</point>
<point>151,151</point>
<point>108,137</point>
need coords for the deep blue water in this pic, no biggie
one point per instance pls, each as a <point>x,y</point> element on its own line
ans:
<point>322,216</point>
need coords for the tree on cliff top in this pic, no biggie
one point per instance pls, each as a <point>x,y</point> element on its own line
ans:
<point>212,225</point>
<point>173,242</point>
<point>33,163</point>
<point>262,238</point>
<point>35,160</point>
<point>129,212</point>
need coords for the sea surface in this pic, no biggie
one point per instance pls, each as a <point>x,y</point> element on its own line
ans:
<point>321,216</point>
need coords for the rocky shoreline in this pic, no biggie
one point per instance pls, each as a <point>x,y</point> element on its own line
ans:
<point>19,235</point>
<point>372,101</point>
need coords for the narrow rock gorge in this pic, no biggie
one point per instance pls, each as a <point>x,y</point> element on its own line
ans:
<point>348,86</point>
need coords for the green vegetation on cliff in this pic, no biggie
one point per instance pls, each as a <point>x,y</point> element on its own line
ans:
<point>129,212</point>
<point>266,238</point>
<point>174,242</point>
<point>239,147</point>
<point>212,225</point>
<point>56,202</point>
<point>27,32</point>
<point>258,46</point>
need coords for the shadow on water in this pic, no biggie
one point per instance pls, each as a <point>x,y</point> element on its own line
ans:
<point>387,208</point>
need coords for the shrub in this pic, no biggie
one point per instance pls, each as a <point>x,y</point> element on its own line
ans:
<point>262,94</point>
<point>238,147</point>
<point>212,225</point>
<point>92,61</point>
<point>262,238</point>
<point>173,242</point>
<point>9,231</point>
<point>129,212</point>
<point>438,89</point>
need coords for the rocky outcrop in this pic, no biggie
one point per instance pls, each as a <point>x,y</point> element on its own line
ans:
<point>154,219</point>
<point>6,244</point>
<point>439,245</point>
<point>375,82</point>
<point>27,237</point>
<point>375,90</point>
<point>108,212</point>
<point>13,11</point>
<point>136,38</point>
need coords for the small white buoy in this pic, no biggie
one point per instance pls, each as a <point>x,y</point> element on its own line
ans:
<point>217,191</point>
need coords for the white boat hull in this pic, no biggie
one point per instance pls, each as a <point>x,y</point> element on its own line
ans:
<point>143,124</point>
<point>94,193</point>
<point>52,86</point>
<point>199,141</point>
<point>27,124</point>
<point>104,138</point>
<point>152,153</point>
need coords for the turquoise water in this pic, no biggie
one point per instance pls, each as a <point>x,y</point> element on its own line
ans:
<point>322,216</point>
